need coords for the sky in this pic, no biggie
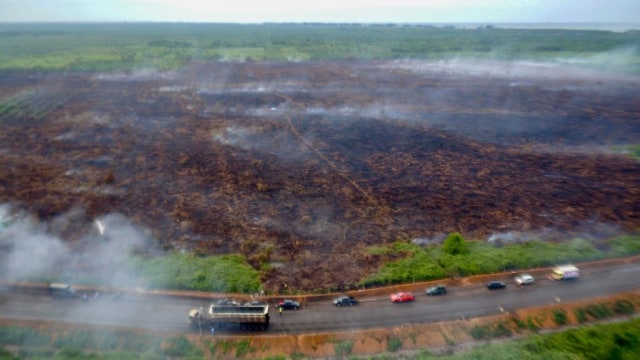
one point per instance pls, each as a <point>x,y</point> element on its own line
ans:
<point>330,11</point>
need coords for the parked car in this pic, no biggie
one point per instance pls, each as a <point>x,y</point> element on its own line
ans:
<point>524,279</point>
<point>289,305</point>
<point>495,285</point>
<point>402,296</point>
<point>436,290</point>
<point>345,301</point>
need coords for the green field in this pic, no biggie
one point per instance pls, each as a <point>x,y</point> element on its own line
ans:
<point>117,46</point>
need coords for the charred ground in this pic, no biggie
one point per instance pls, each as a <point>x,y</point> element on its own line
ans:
<point>302,165</point>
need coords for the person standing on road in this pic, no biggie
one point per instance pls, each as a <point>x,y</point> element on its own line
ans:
<point>280,310</point>
<point>213,330</point>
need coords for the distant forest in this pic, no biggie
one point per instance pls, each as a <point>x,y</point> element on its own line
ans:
<point>116,46</point>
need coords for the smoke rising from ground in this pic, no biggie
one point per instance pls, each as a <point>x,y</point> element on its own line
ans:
<point>31,250</point>
<point>611,65</point>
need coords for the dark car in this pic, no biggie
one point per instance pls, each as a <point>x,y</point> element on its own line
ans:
<point>436,290</point>
<point>345,301</point>
<point>289,305</point>
<point>495,285</point>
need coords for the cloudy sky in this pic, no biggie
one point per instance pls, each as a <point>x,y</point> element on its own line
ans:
<point>398,11</point>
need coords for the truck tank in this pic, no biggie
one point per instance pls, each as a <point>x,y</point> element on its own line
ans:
<point>244,317</point>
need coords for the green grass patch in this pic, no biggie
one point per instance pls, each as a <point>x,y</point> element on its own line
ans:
<point>227,273</point>
<point>394,344</point>
<point>343,348</point>
<point>409,262</point>
<point>181,347</point>
<point>94,344</point>
<point>606,341</point>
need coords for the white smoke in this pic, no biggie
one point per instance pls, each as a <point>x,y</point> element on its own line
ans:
<point>26,250</point>
<point>31,251</point>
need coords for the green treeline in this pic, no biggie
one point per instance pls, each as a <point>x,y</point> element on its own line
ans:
<point>112,46</point>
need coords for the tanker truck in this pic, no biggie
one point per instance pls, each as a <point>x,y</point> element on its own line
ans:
<point>250,316</point>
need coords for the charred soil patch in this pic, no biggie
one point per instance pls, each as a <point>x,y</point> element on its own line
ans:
<point>305,164</point>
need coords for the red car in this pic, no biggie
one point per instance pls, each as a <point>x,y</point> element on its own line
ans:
<point>402,296</point>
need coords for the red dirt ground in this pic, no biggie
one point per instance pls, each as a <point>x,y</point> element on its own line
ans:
<point>302,165</point>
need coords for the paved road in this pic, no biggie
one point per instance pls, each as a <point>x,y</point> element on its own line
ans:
<point>170,314</point>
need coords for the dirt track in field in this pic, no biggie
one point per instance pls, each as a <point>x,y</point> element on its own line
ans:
<point>302,165</point>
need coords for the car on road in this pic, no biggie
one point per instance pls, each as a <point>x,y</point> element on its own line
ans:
<point>496,285</point>
<point>62,290</point>
<point>345,301</point>
<point>436,290</point>
<point>524,279</point>
<point>402,296</point>
<point>289,305</point>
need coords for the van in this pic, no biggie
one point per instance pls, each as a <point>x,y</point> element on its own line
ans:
<point>565,272</point>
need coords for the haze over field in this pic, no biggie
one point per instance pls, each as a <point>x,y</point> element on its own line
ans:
<point>349,11</point>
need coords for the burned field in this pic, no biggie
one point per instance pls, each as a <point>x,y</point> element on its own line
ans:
<point>303,165</point>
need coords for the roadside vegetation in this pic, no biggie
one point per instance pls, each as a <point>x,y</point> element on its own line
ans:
<point>404,262</point>
<point>614,340</point>
<point>224,274</point>
<point>105,47</point>
<point>605,341</point>
<point>457,257</point>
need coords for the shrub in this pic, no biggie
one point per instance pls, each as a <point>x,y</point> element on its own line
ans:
<point>598,311</point>
<point>626,245</point>
<point>69,352</point>
<point>581,315</point>
<point>6,355</point>
<point>343,348</point>
<point>180,346</point>
<point>455,244</point>
<point>297,356</point>
<point>22,336</point>
<point>75,339</point>
<point>33,353</point>
<point>501,330</point>
<point>394,344</point>
<point>560,317</point>
<point>623,307</point>
<point>478,332</point>
<point>243,347</point>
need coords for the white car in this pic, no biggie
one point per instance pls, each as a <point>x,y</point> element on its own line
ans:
<point>525,279</point>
